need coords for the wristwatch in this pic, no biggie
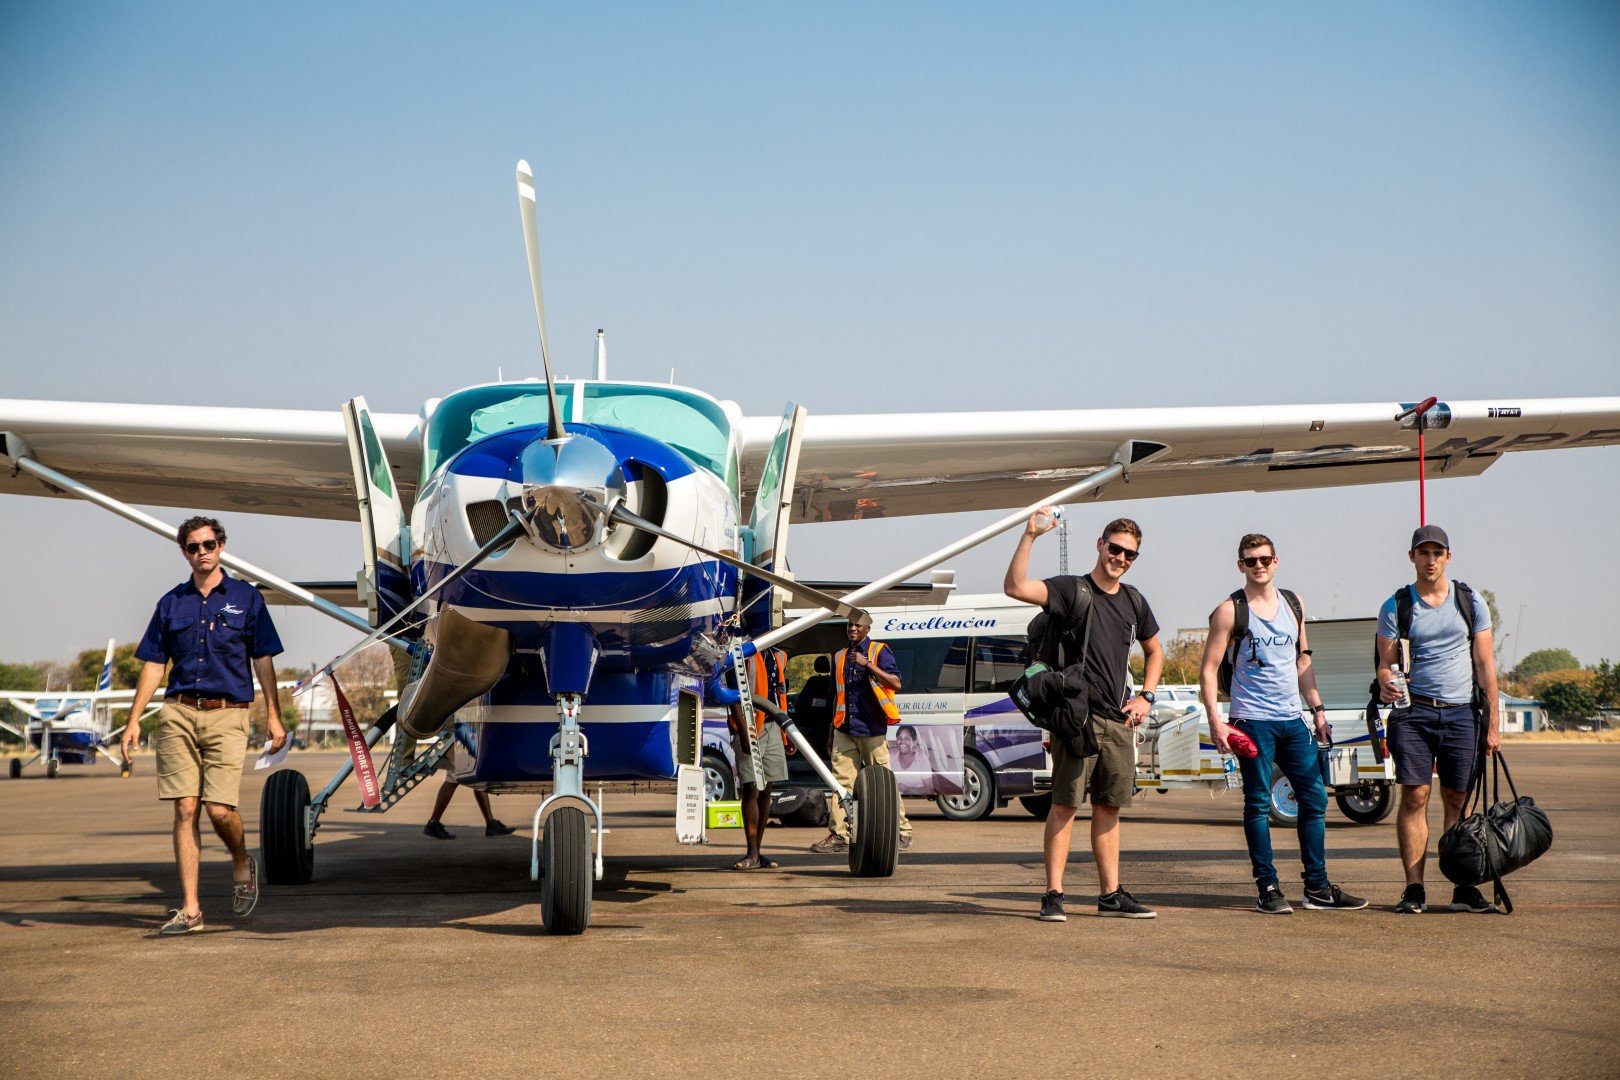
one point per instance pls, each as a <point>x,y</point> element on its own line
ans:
<point>1318,708</point>
<point>1148,696</point>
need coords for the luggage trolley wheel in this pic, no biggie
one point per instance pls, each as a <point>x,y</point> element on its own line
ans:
<point>568,870</point>
<point>287,854</point>
<point>874,845</point>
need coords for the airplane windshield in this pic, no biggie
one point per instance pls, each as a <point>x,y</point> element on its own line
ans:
<point>694,425</point>
<point>462,419</point>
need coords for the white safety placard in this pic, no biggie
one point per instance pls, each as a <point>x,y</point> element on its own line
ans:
<point>691,804</point>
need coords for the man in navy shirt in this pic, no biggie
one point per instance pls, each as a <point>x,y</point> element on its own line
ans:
<point>216,633</point>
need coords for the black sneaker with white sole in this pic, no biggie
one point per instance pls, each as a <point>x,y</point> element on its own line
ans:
<point>1273,902</point>
<point>1120,904</point>
<point>1414,901</point>
<point>1332,898</point>
<point>1468,898</point>
<point>1052,907</point>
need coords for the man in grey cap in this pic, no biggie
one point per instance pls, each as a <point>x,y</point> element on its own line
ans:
<point>1451,683</point>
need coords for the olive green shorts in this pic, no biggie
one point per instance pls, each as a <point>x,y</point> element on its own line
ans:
<point>1109,775</point>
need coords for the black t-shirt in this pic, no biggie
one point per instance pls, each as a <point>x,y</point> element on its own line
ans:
<point>1113,629</point>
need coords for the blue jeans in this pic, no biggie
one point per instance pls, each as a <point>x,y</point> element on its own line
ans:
<point>1292,746</point>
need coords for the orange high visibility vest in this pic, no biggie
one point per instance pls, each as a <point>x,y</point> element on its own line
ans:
<point>885,696</point>
<point>764,686</point>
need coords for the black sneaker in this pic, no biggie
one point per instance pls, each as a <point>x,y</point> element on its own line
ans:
<point>1468,898</point>
<point>1413,901</point>
<point>1052,907</point>
<point>1120,904</point>
<point>495,827</point>
<point>1332,898</point>
<point>437,831</point>
<point>1273,902</point>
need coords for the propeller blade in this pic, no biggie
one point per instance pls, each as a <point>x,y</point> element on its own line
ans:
<point>513,529</point>
<point>815,596</point>
<point>531,248</point>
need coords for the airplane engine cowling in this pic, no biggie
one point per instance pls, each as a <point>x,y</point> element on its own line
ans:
<point>469,658</point>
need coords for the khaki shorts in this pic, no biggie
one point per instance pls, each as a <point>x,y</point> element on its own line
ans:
<point>200,752</point>
<point>1109,775</point>
<point>772,756</point>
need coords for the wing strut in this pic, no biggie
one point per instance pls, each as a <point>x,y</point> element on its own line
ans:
<point>20,457</point>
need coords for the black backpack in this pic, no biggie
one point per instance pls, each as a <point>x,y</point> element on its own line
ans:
<point>1240,630</point>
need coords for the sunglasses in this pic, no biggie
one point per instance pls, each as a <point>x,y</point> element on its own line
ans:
<point>1128,554</point>
<point>1252,561</point>
<point>206,545</point>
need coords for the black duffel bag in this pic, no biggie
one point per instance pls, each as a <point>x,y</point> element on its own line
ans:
<point>1488,844</point>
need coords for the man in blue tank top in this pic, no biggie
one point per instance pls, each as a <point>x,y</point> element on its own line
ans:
<point>1264,643</point>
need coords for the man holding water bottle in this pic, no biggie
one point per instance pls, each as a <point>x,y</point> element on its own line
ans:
<point>1434,727</point>
<point>1259,633</point>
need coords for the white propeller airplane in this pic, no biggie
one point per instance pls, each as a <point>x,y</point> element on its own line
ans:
<point>67,727</point>
<point>574,563</point>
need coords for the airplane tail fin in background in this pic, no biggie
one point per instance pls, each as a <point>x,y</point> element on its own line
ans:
<point>105,682</point>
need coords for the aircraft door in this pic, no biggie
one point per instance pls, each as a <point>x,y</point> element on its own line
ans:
<point>384,578</point>
<point>773,507</point>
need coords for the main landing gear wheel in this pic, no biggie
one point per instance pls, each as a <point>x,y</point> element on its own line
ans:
<point>52,767</point>
<point>568,870</point>
<point>874,846</point>
<point>978,798</point>
<point>288,856</point>
<point>1366,805</point>
<point>1284,803</point>
<point>15,768</point>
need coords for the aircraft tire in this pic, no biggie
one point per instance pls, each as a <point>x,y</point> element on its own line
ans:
<point>874,847</point>
<point>14,770</point>
<point>52,767</point>
<point>288,859</point>
<point>1367,809</point>
<point>567,872</point>
<point>978,798</point>
<point>1037,805</point>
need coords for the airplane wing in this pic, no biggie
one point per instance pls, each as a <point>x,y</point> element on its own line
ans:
<point>260,461</point>
<point>890,465</point>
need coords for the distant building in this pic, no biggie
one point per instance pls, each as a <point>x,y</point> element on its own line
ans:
<point>1520,715</point>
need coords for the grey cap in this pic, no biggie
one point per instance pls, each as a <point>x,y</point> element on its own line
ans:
<point>1430,534</point>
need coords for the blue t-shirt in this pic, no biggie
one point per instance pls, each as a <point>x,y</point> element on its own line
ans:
<point>212,639</point>
<point>1265,671</point>
<point>1442,666</point>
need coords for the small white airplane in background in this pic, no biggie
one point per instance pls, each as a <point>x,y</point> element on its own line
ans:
<point>573,564</point>
<point>70,727</point>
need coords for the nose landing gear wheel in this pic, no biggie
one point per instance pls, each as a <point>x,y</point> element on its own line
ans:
<point>568,870</point>
<point>289,859</point>
<point>874,847</point>
<point>52,767</point>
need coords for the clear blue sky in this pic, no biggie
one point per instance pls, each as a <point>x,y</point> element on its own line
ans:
<point>863,207</point>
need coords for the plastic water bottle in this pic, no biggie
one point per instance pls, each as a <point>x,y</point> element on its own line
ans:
<point>1234,779</point>
<point>1398,678</point>
<point>1045,520</point>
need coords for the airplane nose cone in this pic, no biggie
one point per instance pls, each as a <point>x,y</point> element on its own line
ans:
<point>569,486</point>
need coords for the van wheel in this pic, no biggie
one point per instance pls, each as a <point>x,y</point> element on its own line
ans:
<point>978,798</point>
<point>718,783</point>
<point>1038,805</point>
<point>1366,805</point>
<point>1284,804</point>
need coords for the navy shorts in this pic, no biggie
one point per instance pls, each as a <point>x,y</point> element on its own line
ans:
<point>1424,740</point>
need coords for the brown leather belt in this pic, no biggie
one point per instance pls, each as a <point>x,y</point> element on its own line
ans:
<point>1431,703</point>
<point>206,702</point>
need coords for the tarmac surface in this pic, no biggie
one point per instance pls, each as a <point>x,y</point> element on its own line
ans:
<point>410,955</point>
